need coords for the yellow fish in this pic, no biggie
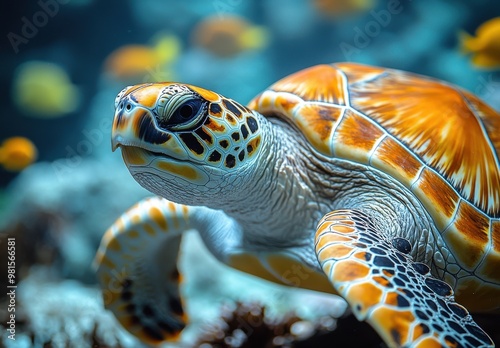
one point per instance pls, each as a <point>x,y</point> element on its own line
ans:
<point>485,46</point>
<point>16,153</point>
<point>44,90</point>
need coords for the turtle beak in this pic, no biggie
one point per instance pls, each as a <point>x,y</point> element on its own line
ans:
<point>115,143</point>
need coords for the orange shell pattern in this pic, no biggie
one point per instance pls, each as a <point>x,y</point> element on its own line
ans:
<point>439,141</point>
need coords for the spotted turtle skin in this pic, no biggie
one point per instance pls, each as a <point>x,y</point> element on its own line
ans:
<point>374,184</point>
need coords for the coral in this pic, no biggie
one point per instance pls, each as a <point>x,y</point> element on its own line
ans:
<point>248,325</point>
<point>54,313</point>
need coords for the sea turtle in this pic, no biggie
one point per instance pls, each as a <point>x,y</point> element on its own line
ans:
<point>379,185</point>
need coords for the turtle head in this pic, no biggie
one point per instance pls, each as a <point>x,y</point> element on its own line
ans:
<point>183,142</point>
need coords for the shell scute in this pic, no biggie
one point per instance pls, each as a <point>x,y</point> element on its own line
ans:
<point>355,137</point>
<point>489,266</point>
<point>437,196</point>
<point>468,236</point>
<point>396,160</point>
<point>316,122</point>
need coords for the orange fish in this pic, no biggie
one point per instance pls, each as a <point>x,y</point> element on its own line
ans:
<point>131,61</point>
<point>16,153</point>
<point>228,36</point>
<point>338,8</point>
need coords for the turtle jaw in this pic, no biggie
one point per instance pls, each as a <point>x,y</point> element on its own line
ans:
<point>175,174</point>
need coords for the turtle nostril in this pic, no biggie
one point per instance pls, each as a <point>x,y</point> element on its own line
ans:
<point>128,107</point>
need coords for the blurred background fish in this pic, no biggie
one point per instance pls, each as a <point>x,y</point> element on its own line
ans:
<point>151,62</point>
<point>484,47</point>
<point>16,153</point>
<point>339,8</point>
<point>44,89</point>
<point>228,36</point>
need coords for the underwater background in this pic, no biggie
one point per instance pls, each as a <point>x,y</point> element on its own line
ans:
<point>61,186</point>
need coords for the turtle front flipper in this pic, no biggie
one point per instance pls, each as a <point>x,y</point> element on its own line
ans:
<point>137,269</point>
<point>398,297</point>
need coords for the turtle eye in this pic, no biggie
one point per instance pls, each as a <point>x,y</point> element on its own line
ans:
<point>186,111</point>
<point>184,116</point>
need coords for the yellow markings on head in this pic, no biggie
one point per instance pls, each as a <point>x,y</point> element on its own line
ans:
<point>349,270</point>
<point>205,94</point>
<point>437,196</point>
<point>253,145</point>
<point>366,296</point>
<point>468,236</point>
<point>392,325</point>
<point>355,137</point>
<point>133,156</point>
<point>158,217</point>
<point>147,94</point>
<point>184,171</point>
<point>215,126</point>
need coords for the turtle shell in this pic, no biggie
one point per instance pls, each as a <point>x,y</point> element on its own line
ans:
<point>438,140</point>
